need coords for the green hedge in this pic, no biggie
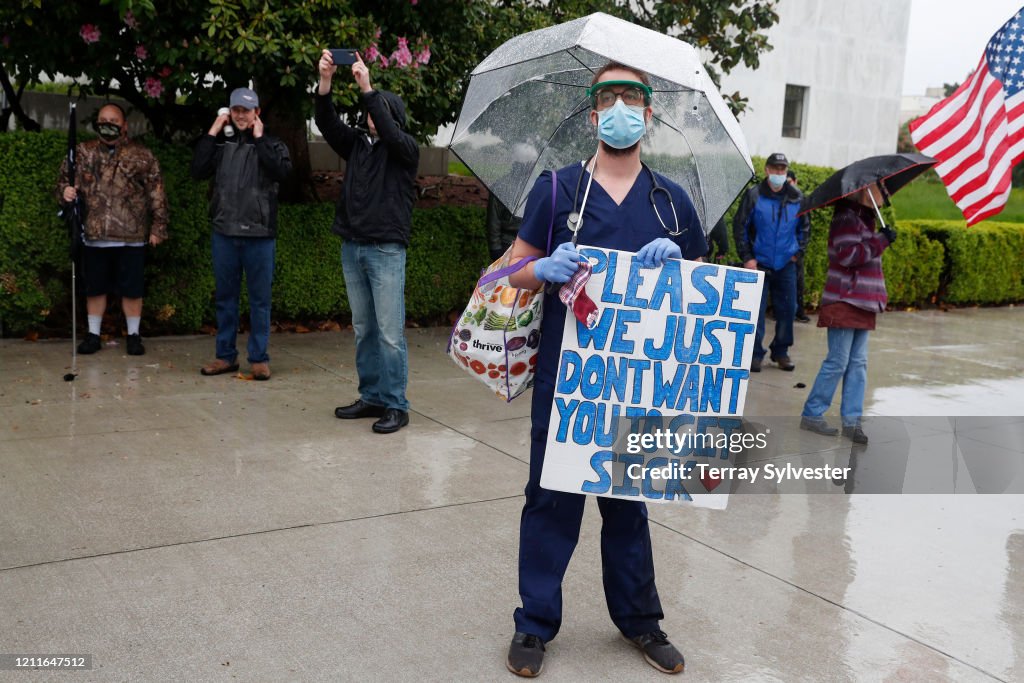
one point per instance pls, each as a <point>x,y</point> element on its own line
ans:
<point>984,264</point>
<point>447,252</point>
<point>932,261</point>
<point>912,266</point>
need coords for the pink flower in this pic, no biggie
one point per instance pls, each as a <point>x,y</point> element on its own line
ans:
<point>90,33</point>
<point>402,57</point>
<point>371,53</point>
<point>414,2</point>
<point>376,36</point>
<point>383,62</point>
<point>140,52</point>
<point>129,20</point>
<point>165,72</point>
<point>154,87</point>
<point>423,57</point>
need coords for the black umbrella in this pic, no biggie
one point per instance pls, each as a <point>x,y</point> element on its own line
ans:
<point>72,214</point>
<point>893,171</point>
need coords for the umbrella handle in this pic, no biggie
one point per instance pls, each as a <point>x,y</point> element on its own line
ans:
<point>875,204</point>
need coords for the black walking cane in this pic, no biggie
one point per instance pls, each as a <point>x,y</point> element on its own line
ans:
<point>72,215</point>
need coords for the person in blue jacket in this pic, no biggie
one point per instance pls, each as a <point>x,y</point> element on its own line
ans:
<point>618,214</point>
<point>770,237</point>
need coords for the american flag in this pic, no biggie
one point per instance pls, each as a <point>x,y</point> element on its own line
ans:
<point>977,133</point>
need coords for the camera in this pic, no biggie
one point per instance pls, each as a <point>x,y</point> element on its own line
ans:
<point>229,130</point>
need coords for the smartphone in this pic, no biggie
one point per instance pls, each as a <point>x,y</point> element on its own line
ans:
<point>343,56</point>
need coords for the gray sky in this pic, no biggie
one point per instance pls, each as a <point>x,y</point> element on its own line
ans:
<point>947,37</point>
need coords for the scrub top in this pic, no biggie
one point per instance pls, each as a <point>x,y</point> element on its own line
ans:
<point>627,226</point>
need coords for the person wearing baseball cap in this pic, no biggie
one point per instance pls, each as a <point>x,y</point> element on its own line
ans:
<point>771,237</point>
<point>244,225</point>
<point>244,98</point>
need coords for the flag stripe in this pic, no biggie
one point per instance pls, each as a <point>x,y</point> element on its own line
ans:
<point>943,123</point>
<point>998,185</point>
<point>976,152</point>
<point>954,121</point>
<point>983,176</point>
<point>927,123</point>
<point>967,150</point>
<point>994,207</point>
<point>1007,149</point>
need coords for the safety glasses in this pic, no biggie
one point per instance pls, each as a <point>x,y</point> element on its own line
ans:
<point>603,95</point>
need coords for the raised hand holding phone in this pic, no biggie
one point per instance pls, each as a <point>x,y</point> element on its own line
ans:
<point>361,74</point>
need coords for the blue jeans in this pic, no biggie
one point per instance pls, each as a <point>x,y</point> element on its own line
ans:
<point>375,280</point>
<point>232,255</point>
<point>847,360</point>
<point>782,284</point>
<point>548,531</point>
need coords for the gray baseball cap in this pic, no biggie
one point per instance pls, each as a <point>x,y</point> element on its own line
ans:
<point>244,97</point>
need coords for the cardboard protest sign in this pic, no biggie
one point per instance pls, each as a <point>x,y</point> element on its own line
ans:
<point>647,401</point>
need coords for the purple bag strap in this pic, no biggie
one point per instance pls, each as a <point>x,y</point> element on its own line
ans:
<point>508,270</point>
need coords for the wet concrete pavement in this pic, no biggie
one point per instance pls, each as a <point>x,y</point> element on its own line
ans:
<point>178,527</point>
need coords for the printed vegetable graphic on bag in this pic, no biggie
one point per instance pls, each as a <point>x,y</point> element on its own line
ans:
<point>497,336</point>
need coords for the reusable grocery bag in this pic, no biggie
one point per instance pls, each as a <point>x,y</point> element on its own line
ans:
<point>496,338</point>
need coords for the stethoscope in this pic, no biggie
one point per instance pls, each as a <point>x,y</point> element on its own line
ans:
<point>575,220</point>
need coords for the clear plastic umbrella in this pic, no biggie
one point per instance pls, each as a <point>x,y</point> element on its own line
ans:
<point>526,110</point>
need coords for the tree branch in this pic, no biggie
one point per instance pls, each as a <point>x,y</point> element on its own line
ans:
<point>14,105</point>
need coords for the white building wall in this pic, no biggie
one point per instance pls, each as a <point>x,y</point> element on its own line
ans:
<point>850,54</point>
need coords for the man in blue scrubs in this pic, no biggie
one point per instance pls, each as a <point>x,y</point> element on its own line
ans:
<point>618,215</point>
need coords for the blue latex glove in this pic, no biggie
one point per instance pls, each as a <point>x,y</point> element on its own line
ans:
<point>558,267</point>
<point>654,253</point>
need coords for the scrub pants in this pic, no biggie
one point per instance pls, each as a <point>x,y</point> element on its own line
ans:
<point>548,533</point>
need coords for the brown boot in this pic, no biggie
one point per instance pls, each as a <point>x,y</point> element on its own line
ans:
<point>261,371</point>
<point>218,367</point>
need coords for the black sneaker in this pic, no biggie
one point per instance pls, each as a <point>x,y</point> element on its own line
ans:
<point>855,434</point>
<point>134,344</point>
<point>357,410</point>
<point>91,344</point>
<point>393,420</point>
<point>802,318</point>
<point>755,365</point>
<point>525,655</point>
<point>659,652</point>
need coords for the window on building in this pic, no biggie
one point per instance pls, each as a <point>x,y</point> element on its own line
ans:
<point>793,112</point>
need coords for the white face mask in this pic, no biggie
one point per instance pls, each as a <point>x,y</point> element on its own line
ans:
<point>776,180</point>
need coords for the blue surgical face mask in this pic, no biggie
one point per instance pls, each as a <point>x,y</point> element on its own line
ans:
<point>776,180</point>
<point>621,126</point>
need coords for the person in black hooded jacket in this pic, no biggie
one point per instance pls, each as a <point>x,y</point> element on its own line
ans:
<point>373,218</point>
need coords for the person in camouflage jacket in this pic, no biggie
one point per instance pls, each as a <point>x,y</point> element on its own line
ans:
<point>120,188</point>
